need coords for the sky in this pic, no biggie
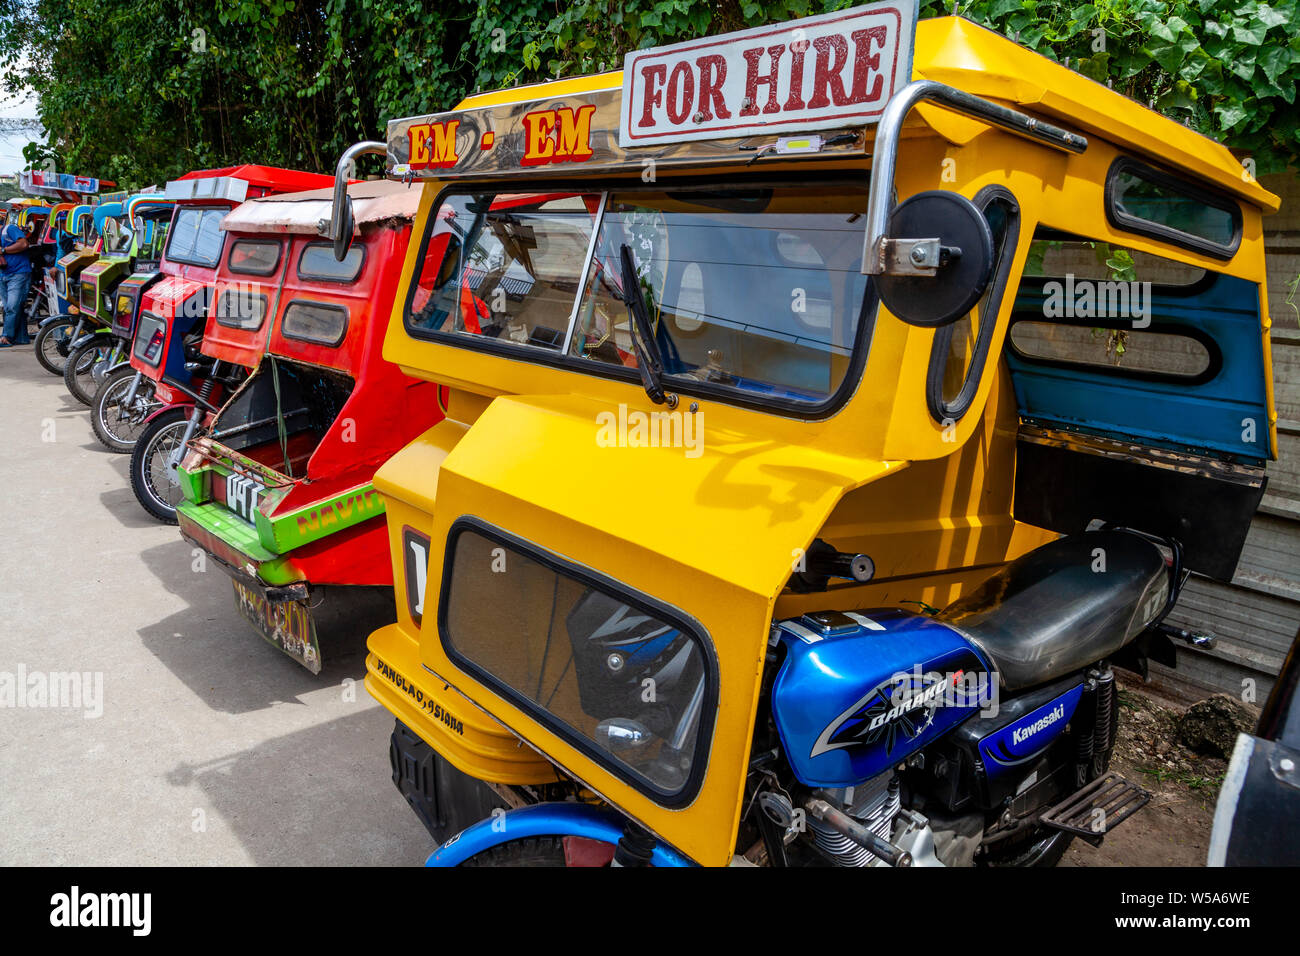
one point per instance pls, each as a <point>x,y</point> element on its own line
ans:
<point>11,147</point>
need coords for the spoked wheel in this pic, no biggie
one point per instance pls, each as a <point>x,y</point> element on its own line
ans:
<point>79,370</point>
<point>116,426</point>
<point>152,478</point>
<point>52,344</point>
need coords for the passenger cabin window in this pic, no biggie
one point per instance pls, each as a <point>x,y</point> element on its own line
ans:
<point>317,263</point>
<point>151,237</point>
<point>240,308</point>
<point>1061,254</point>
<point>755,292</point>
<point>1152,202</point>
<point>316,322</point>
<point>1160,353</point>
<point>1085,303</point>
<point>196,236</point>
<point>253,257</point>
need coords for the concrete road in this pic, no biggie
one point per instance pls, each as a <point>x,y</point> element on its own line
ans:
<point>206,745</point>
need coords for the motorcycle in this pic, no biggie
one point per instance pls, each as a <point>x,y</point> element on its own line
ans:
<point>65,325</point>
<point>124,398</point>
<point>167,352</point>
<point>782,513</point>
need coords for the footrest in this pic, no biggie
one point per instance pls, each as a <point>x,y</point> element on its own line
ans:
<point>1097,809</point>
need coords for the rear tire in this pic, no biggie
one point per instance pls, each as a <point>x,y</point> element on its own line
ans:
<point>156,494</point>
<point>1041,847</point>
<point>78,371</point>
<point>48,342</point>
<point>115,434</point>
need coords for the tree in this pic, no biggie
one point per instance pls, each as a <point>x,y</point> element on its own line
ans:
<point>140,91</point>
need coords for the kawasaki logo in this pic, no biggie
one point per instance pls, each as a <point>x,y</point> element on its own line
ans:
<point>1021,734</point>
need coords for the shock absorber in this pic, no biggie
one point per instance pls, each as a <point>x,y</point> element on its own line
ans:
<point>1084,728</point>
<point>1103,730</point>
<point>196,416</point>
<point>129,401</point>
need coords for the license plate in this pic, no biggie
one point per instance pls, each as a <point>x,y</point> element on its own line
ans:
<point>240,494</point>
<point>287,624</point>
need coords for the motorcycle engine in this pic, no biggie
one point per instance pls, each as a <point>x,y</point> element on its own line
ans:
<point>874,804</point>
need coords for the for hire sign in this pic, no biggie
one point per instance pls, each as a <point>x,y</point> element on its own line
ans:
<point>837,69</point>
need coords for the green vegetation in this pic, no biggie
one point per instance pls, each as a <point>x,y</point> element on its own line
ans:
<point>139,91</point>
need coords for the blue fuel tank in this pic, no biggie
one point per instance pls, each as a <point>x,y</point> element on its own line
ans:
<point>859,692</point>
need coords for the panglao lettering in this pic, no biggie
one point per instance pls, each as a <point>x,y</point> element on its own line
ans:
<point>814,73</point>
<point>424,702</point>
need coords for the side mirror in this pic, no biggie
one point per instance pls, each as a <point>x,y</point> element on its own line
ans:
<point>343,238</point>
<point>934,281</point>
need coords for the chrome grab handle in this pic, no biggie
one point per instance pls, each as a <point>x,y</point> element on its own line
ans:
<point>876,252</point>
<point>333,228</point>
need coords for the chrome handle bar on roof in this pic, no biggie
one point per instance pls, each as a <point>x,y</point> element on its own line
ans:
<point>875,251</point>
<point>334,227</point>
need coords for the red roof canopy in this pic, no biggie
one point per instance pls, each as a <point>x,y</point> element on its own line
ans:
<point>272,179</point>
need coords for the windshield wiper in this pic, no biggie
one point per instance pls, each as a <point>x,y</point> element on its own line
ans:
<point>649,359</point>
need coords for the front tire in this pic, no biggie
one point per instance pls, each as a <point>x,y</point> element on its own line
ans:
<point>114,432</point>
<point>531,851</point>
<point>52,345</point>
<point>149,469</point>
<point>79,370</point>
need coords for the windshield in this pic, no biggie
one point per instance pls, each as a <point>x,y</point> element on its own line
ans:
<point>117,236</point>
<point>196,237</point>
<point>757,291</point>
<point>151,237</point>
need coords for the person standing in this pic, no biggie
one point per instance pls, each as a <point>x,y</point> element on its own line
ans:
<point>15,278</point>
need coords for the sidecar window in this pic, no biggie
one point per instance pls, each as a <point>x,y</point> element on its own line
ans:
<point>317,262</point>
<point>253,257</point>
<point>239,307</point>
<point>1155,203</point>
<point>624,679</point>
<point>1123,351</point>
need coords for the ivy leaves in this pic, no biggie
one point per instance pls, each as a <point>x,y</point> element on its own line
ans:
<point>1228,68</point>
<point>176,84</point>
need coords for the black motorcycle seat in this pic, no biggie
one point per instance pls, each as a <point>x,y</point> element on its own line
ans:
<point>1064,605</point>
